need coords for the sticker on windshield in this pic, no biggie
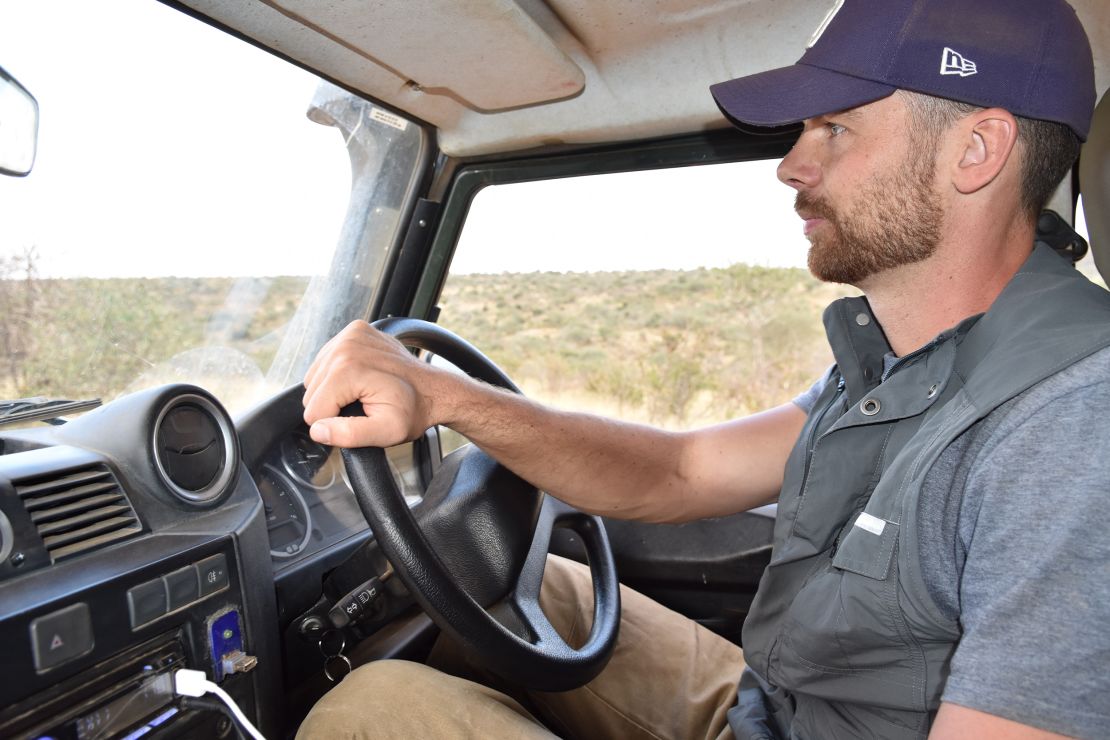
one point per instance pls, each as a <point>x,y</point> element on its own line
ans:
<point>389,119</point>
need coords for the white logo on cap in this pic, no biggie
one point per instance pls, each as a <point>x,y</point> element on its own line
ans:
<point>825,23</point>
<point>954,63</point>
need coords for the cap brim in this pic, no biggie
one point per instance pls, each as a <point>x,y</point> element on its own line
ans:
<point>788,95</point>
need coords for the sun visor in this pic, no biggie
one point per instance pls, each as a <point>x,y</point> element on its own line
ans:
<point>487,54</point>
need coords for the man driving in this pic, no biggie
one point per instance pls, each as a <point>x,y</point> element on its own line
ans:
<point>940,564</point>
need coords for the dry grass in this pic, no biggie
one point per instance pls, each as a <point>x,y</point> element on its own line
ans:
<point>671,348</point>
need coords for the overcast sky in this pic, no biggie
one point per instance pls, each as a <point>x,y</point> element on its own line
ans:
<point>149,121</point>
<point>710,216</point>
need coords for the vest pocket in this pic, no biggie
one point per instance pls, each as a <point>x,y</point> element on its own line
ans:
<point>843,634</point>
<point>868,547</point>
<point>843,640</point>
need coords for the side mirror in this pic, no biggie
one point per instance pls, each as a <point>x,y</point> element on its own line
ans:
<point>19,127</point>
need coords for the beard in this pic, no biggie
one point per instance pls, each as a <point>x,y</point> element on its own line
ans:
<point>895,222</point>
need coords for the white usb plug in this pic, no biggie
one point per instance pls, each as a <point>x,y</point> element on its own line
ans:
<point>188,682</point>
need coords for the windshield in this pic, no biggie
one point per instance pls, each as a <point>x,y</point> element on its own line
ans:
<point>200,211</point>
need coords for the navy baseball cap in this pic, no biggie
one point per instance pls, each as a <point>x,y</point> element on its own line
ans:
<point>1030,57</point>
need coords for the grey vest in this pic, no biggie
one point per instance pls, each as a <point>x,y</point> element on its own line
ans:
<point>843,638</point>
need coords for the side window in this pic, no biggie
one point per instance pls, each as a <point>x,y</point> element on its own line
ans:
<point>674,297</point>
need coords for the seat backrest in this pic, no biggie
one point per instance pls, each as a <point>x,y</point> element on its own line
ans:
<point>1094,183</point>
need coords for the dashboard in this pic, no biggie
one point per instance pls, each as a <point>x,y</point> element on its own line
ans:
<point>156,533</point>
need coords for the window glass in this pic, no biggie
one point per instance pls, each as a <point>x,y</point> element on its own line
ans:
<point>676,297</point>
<point>193,214</point>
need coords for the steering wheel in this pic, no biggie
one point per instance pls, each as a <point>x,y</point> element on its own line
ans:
<point>475,560</point>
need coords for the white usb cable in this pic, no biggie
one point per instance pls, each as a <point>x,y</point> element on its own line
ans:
<point>187,682</point>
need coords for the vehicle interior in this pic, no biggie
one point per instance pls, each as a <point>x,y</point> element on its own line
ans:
<point>185,519</point>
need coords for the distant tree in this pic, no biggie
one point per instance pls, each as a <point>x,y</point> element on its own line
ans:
<point>19,296</point>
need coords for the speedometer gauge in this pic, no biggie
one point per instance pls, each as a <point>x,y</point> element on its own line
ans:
<point>288,522</point>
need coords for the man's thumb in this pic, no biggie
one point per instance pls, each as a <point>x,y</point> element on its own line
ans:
<point>349,431</point>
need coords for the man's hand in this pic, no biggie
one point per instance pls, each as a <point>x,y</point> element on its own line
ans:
<point>364,365</point>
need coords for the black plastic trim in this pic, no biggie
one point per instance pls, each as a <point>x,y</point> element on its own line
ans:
<point>410,261</point>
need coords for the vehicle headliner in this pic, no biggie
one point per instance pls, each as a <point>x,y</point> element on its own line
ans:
<point>505,75</point>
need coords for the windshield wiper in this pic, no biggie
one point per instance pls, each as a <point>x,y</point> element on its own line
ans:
<point>39,408</point>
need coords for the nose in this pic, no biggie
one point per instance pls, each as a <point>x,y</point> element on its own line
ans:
<point>799,168</point>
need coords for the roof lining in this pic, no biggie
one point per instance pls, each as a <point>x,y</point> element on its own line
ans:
<point>645,74</point>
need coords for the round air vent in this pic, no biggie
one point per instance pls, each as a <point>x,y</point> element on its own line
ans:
<point>194,449</point>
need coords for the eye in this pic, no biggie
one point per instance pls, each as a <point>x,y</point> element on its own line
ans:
<point>835,129</point>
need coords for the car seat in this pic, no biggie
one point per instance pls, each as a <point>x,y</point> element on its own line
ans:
<point>1094,184</point>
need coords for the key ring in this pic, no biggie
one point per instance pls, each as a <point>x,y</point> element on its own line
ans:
<point>327,667</point>
<point>332,655</point>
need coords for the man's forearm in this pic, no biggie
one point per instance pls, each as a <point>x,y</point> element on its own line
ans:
<point>621,469</point>
<point>598,465</point>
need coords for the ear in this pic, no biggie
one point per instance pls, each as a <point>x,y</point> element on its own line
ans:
<point>987,138</point>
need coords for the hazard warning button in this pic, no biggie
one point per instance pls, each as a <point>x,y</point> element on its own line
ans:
<point>61,636</point>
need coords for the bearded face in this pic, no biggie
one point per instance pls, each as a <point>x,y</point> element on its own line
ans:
<point>895,221</point>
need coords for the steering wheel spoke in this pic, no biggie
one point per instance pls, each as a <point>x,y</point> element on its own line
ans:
<point>530,619</point>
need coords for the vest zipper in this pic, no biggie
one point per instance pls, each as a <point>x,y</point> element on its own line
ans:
<point>901,360</point>
<point>811,445</point>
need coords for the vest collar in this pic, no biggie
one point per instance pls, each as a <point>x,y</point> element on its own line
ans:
<point>859,345</point>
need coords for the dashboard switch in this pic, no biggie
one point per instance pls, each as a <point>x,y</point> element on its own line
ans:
<point>146,602</point>
<point>61,636</point>
<point>213,574</point>
<point>181,587</point>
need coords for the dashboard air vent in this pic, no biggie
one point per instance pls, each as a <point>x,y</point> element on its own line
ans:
<point>78,511</point>
<point>195,449</point>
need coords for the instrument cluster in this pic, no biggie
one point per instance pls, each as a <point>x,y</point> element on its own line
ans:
<point>307,496</point>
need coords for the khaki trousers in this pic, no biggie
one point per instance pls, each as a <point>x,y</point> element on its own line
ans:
<point>668,678</point>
